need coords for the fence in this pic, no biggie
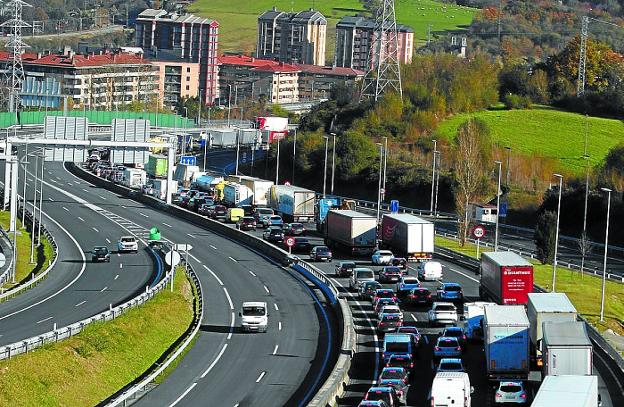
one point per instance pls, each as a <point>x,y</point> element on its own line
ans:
<point>97,116</point>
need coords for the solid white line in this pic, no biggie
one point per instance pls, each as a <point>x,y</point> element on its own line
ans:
<point>252,273</point>
<point>231,326</point>
<point>275,306</point>
<point>108,240</point>
<point>189,235</point>
<point>279,326</point>
<point>85,190</point>
<point>213,247</point>
<point>96,230</point>
<point>168,225</point>
<point>267,289</point>
<point>76,182</point>
<point>120,265</point>
<point>142,214</point>
<point>66,209</point>
<point>463,274</point>
<point>102,197</point>
<point>80,303</point>
<point>260,377</point>
<point>214,362</point>
<point>214,275</point>
<point>82,220</point>
<point>117,276</point>
<point>414,317</point>
<point>233,259</point>
<point>275,350</point>
<point>51,200</point>
<point>103,289</point>
<point>228,298</point>
<point>44,320</point>
<point>187,391</point>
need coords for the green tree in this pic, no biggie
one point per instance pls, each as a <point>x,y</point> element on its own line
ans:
<point>545,235</point>
<point>356,152</point>
<point>611,172</point>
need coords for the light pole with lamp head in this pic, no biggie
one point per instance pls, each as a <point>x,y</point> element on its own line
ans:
<point>385,165</point>
<point>333,162</point>
<point>294,157</point>
<point>325,168</point>
<point>507,176</point>
<point>24,190</point>
<point>381,152</point>
<point>554,276</point>
<point>229,104</point>
<point>606,248</point>
<point>498,191</point>
<point>433,168</point>
<point>277,165</point>
<point>238,148</point>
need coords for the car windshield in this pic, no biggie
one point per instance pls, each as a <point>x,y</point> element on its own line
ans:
<point>408,330</point>
<point>392,270</point>
<point>450,366</point>
<point>454,333</point>
<point>276,217</point>
<point>253,311</point>
<point>347,265</point>
<point>365,274</point>
<point>378,395</point>
<point>248,219</point>
<point>275,231</point>
<point>100,250</point>
<point>399,361</point>
<point>447,343</point>
<point>452,288</point>
<point>296,226</point>
<point>422,291</point>
<point>385,294</point>
<point>445,308</point>
<point>385,253</point>
<point>127,239</point>
<point>322,250</point>
<point>392,374</point>
<point>510,388</point>
<point>265,211</point>
<point>410,281</point>
<point>402,347</point>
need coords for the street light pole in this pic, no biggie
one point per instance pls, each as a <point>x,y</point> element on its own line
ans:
<point>437,182</point>
<point>554,276</point>
<point>508,160</point>
<point>584,235</point>
<point>294,158</point>
<point>500,164</point>
<point>606,248</point>
<point>277,165</point>
<point>24,190</point>
<point>381,152</point>
<point>325,168</point>
<point>34,213</point>
<point>40,198</point>
<point>229,104</point>
<point>385,165</point>
<point>433,166</point>
<point>237,148</point>
<point>333,162</point>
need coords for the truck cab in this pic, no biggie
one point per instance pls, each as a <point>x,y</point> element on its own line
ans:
<point>255,316</point>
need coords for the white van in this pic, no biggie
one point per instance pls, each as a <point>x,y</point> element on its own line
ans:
<point>451,389</point>
<point>360,276</point>
<point>430,270</point>
<point>255,316</point>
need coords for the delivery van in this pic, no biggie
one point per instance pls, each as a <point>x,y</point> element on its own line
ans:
<point>451,389</point>
<point>234,215</point>
<point>255,316</point>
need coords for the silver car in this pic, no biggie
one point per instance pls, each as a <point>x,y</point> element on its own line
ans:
<point>510,392</point>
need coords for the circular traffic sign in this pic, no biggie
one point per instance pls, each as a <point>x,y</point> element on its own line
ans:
<point>290,241</point>
<point>478,231</point>
<point>172,258</point>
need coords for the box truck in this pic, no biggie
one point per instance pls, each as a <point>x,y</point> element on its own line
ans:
<point>506,278</point>
<point>546,307</point>
<point>133,177</point>
<point>159,188</point>
<point>260,188</point>
<point>568,391</point>
<point>408,236</point>
<point>156,166</point>
<point>272,128</point>
<point>354,231</point>
<point>207,183</point>
<point>506,342</point>
<point>292,203</point>
<point>473,317</point>
<point>566,348</point>
<point>236,194</point>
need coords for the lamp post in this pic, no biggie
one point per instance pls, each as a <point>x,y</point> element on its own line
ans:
<point>34,214</point>
<point>507,166</point>
<point>294,157</point>
<point>333,162</point>
<point>437,183</point>
<point>40,197</point>
<point>325,168</point>
<point>433,166</point>
<point>24,190</point>
<point>238,149</point>
<point>381,152</point>
<point>606,248</point>
<point>229,104</point>
<point>385,165</point>
<point>584,246</point>
<point>277,165</point>
<point>500,164</point>
<point>554,276</point>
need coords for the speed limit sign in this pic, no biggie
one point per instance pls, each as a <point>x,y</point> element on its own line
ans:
<point>290,241</point>
<point>478,232</point>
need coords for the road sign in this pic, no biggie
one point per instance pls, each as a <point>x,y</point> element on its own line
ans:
<point>188,160</point>
<point>2,260</point>
<point>478,232</point>
<point>182,247</point>
<point>172,258</point>
<point>503,210</point>
<point>290,241</point>
<point>278,136</point>
<point>394,206</point>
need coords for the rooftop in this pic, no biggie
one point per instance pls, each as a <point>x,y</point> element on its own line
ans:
<point>366,23</point>
<point>506,315</point>
<point>70,59</point>
<point>506,258</point>
<point>162,15</point>
<point>566,333</point>
<point>551,302</point>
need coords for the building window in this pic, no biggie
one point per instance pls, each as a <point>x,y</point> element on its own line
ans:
<point>188,69</point>
<point>187,87</point>
<point>188,78</point>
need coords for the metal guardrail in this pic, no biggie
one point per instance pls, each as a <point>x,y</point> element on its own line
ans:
<point>331,292</point>
<point>7,246</point>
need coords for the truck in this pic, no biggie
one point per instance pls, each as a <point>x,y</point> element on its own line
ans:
<point>473,317</point>
<point>354,231</point>
<point>506,278</point>
<point>259,188</point>
<point>271,128</point>
<point>207,183</point>
<point>408,236</point>
<point>156,166</point>
<point>184,173</point>
<point>546,307</point>
<point>159,188</point>
<point>568,391</point>
<point>397,344</point>
<point>225,137</point>
<point>451,388</point>
<point>292,203</point>
<point>567,349</point>
<point>323,205</point>
<point>506,342</point>
<point>133,177</point>
<point>236,195</point>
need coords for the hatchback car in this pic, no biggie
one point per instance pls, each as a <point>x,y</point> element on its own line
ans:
<point>344,269</point>
<point>419,296</point>
<point>389,309</point>
<point>450,292</point>
<point>400,262</point>
<point>275,220</point>
<point>382,257</point>
<point>405,284</point>
<point>397,377</point>
<point>382,302</point>
<point>206,210</point>
<point>220,211</point>
<point>127,244</point>
<point>413,332</point>
<point>386,394</point>
<point>404,361</point>
<point>383,293</point>
<point>302,245</point>
<point>367,289</point>
<point>450,365</point>
<point>455,332</point>
<point>389,321</point>
<point>294,229</point>
<point>446,347</point>
<point>273,234</point>
<point>100,253</point>
<point>247,223</point>
<point>390,274</point>
<point>262,215</point>
<point>510,392</point>
<point>320,253</point>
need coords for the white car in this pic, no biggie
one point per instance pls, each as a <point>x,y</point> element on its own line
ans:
<point>390,309</point>
<point>430,270</point>
<point>442,313</point>
<point>127,244</point>
<point>382,257</point>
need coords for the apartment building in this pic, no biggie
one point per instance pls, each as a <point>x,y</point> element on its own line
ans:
<point>194,39</point>
<point>316,82</point>
<point>177,78</point>
<point>355,36</point>
<point>292,37</point>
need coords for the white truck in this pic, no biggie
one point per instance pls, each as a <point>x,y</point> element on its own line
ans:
<point>292,203</point>
<point>408,236</point>
<point>236,194</point>
<point>355,231</point>
<point>546,307</point>
<point>133,177</point>
<point>260,188</point>
<point>567,349</point>
<point>184,173</point>
<point>473,319</point>
<point>255,316</point>
<point>159,188</point>
<point>451,389</point>
<point>568,391</point>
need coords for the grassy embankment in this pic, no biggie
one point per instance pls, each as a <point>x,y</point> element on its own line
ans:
<point>23,269</point>
<point>583,291</point>
<point>88,368</point>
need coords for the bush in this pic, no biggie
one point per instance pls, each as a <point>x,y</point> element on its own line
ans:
<point>513,101</point>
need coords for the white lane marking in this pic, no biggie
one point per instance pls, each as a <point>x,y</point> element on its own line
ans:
<point>187,391</point>
<point>117,276</point>
<point>51,200</point>
<point>275,306</point>
<point>80,303</point>
<point>103,289</point>
<point>28,184</point>
<point>260,377</point>
<point>214,362</point>
<point>142,214</point>
<point>168,225</point>
<point>82,220</point>
<point>279,326</point>
<point>233,259</point>
<point>66,209</point>
<point>77,182</point>
<point>231,326</point>
<point>108,240</point>
<point>30,179</point>
<point>414,317</point>
<point>189,235</point>
<point>252,273</point>
<point>120,265</point>
<point>118,255</point>
<point>97,231</point>
<point>102,197</point>
<point>124,206</point>
<point>44,320</point>
<point>275,350</point>
<point>56,178</point>
<point>463,274</point>
<point>267,289</point>
<point>85,190</point>
<point>228,298</point>
<point>213,247</point>
<point>214,275</point>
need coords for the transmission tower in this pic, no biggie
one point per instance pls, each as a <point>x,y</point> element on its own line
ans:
<point>580,86</point>
<point>14,75</point>
<point>383,59</point>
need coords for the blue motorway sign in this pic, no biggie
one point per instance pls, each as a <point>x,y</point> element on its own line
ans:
<point>188,160</point>
<point>394,206</point>
<point>503,210</point>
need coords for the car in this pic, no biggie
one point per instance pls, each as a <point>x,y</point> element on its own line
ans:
<point>367,289</point>
<point>404,361</point>
<point>319,253</point>
<point>247,209</point>
<point>372,403</point>
<point>389,309</point>
<point>382,257</point>
<point>447,347</point>
<point>450,365</point>
<point>273,234</point>
<point>100,253</point>
<point>510,392</point>
<point>400,262</point>
<point>419,296</point>
<point>411,331</point>
<point>442,313</point>
<point>389,321</point>
<point>450,292</point>
<point>206,210</point>
<point>294,229</point>
<point>382,302</point>
<point>455,332</point>
<point>302,245</point>
<point>246,223</point>
<point>429,270</point>
<point>383,293</point>
<point>359,276</point>
<point>220,212</point>
<point>386,394</point>
<point>262,215</point>
<point>344,268</point>
<point>390,274</point>
<point>406,284</point>
<point>275,220</point>
<point>397,377</point>
<point>127,244</point>
<point>254,316</point>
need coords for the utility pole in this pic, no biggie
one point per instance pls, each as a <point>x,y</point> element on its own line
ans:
<point>435,207</point>
<point>428,34</point>
<point>385,159</point>
<point>433,168</point>
<point>580,86</point>
<point>333,162</point>
<point>584,235</point>
<point>498,194</point>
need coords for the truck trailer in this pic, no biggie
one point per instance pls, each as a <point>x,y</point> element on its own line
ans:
<point>506,278</point>
<point>568,391</point>
<point>292,203</point>
<point>236,194</point>
<point>408,236</point>
<point>156,166</point>
<point>506,342</point>
<point>354,231</point>
<point>566,348</point>
<point>134,177</point>
<point>259,188</point>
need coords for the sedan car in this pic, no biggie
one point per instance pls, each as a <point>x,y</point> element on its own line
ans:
<point>382,302</point>
<point>404,361</point>
<point>455,332</point>
<point>319,253</point>
<point>419,296</point>
<point>383,293</point>
<point>220,211</point>
<point>390,309</point>
<point>302,245</point>
<point>247,223</point>
<point>382,257</point>
<point>367,289</point>
<point>294,229</point>
<point>390,274</point>
<point>100,253</point>
<point>389,321</point>
<point>510,392</point>
<point>450,365</point>
<point>406,284</point>
<point>275,220</point>
<point>450,292</point>
<point>206,210</point>
<point>400,262</point>
<point>397,377</point>
<point>413,332</point>
<point>447,347</point>
<point>344,269</point>
<point>386,394</point>
<point>372,403</point>
<point>127,244</point>
<point>273,234</point>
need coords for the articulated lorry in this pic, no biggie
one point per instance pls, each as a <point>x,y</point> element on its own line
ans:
<point>236,194</point>
<point>506,278</point>
<point>506,342</point>
<point>568,391</point>
<point>259,188</point>
<point>567,349</point>
<point>408,236</point>
<point>354,231</point>
<point>292,203</point>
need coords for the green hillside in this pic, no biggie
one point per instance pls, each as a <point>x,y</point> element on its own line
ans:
<point>546,132</point>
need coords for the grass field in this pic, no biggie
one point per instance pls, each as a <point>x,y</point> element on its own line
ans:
<point>546,132</point>
<point>584,292</point>
<point>238,26</point>
<point>86,369</point>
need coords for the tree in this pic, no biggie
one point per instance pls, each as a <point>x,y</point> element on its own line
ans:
<point>585,247</point>
<point>612,170</point>
<point>545,235</point>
